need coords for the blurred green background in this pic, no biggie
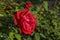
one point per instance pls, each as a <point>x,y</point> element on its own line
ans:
<point>47,13</point>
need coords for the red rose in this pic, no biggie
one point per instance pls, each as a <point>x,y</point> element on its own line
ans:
<point>28,4</point>
<point>25,20</point>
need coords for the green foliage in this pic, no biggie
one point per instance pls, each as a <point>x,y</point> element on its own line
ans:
<point>47,26</point>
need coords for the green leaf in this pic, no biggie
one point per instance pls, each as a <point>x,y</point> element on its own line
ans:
<point>11,35</point>
<point>15,29</point>
<point>18,37</point>
<point>45,5</point>
<point>38,8</point>
<point>29,38</point>
<point>1,15</point>
<point>42,35</point>
<point>36,36</point>
<point>7,39</point>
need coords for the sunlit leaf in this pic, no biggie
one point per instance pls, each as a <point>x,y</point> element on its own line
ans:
<point>18,36</point>
<point>42,35</point>
<point>45,5</point>
<point>11,35</point>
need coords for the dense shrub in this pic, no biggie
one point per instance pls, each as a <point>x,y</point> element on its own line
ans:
<point>47,26</point>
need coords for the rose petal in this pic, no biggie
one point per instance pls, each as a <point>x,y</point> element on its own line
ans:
<point>15,20</point>
<point>18,14</point>
<point>27,28</point>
